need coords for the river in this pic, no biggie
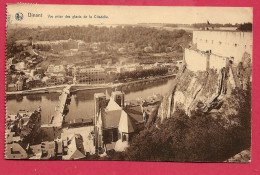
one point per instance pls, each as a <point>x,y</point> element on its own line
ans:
<point>82,104</point>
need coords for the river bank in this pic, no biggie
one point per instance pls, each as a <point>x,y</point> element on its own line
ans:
<point>82,101</point>
<point>79,87</point>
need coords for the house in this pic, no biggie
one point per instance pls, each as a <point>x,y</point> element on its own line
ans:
<point>48,150</point>
<point>74,148</point>
<point>59,145</point>
<point>19,84</point>
<point>117,123</point>
<point>35,152</point>
<point>33,83</point>
<point>50,68</point>
<point>16,151</point>
<point>148,49</point>
<point>24,126</point>
<point>11,87</point>
<point>20,66</point>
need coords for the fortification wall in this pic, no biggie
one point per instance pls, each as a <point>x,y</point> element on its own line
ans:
<point>195,60</point>
<point>201,61</point>
<point>223,43</point>
<point>217,62</point>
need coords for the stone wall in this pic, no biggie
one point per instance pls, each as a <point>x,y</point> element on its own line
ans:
<point>196,60</point>
<point>200,61</point>
<point>223,43</point>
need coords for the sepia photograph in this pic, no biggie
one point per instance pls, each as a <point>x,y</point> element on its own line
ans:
<point>128,83</point>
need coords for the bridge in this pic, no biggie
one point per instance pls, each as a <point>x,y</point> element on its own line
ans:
<point>60,109</point>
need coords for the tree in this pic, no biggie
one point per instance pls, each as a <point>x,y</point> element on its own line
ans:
<point>245,27</point>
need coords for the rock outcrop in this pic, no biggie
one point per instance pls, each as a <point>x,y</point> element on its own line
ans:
<point>204,92</point>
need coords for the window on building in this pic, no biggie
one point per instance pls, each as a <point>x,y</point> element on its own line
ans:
<point>245,46</point>
<point>235,45</point>
<point>212,41</point>
<point>123,137</point>
<point>220,42</point>
<point>206,41</point>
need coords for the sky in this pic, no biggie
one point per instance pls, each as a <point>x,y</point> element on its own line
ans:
<point>126,14</point>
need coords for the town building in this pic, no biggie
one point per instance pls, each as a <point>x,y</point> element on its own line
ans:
<point>74,148</point>
<point>11,87</point>
<point>20,66</point>
<point>19,84</point>
<point>35,152</point>
<point>116,123</point>
<point>25,124</point>
<point>16,151</point>
<point>48,150</point>
<point>90,75</point>
<point>50,68</point>
<point>22,129</point>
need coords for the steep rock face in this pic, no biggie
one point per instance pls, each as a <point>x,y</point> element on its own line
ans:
<point>198,92</point>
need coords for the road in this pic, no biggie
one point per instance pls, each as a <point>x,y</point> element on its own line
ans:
<point>58,88</point>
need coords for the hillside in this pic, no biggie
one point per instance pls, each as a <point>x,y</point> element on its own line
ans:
<point>206,117</point>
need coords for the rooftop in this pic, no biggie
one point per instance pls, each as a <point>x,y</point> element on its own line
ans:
<point>75,148</point>
<point>110,119</point>
<point>135,112</point>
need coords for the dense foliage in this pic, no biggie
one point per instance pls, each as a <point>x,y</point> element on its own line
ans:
<point>245,27</point>
<point>215,25</point>
<point>141,37</point>
<point>142,73</point>
<point>202,137</point>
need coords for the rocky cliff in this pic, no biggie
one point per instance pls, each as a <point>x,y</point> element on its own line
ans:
<point>208,92</point>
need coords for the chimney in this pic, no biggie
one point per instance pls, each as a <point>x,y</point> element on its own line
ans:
<point>99,102</point>
<point>119,98</point>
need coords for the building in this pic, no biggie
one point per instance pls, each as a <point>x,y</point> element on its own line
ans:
<point>16,151</point>
<point>215,49</point>
<point>20,66</point>
<point>116,123</point>
<point>59,69</point>
<point>74,148</point>
<point>19,84</point>
<point>25,125</point>
<point>129,68</point>
<point>56,47</point>
<point>11,87</point>
<point>72,44</point>
<point>50,68</point>
<point>148,49</point>
<point>90,76</point>
<point>55,79</point>
<point>35,152</point>
<point>33,83</point>
<point>48,150</point>
<point>82,46</point>
<point>224,43</point>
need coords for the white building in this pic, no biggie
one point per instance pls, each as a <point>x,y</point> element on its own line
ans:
<point>224,43</point>
<point>214,49</point>
<point>50,68</point>
<point>59,68</point>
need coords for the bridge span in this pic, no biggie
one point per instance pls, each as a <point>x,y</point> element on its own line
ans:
<point>60,109</point>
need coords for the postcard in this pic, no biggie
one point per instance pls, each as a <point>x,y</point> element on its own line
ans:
<point>129,83</point>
